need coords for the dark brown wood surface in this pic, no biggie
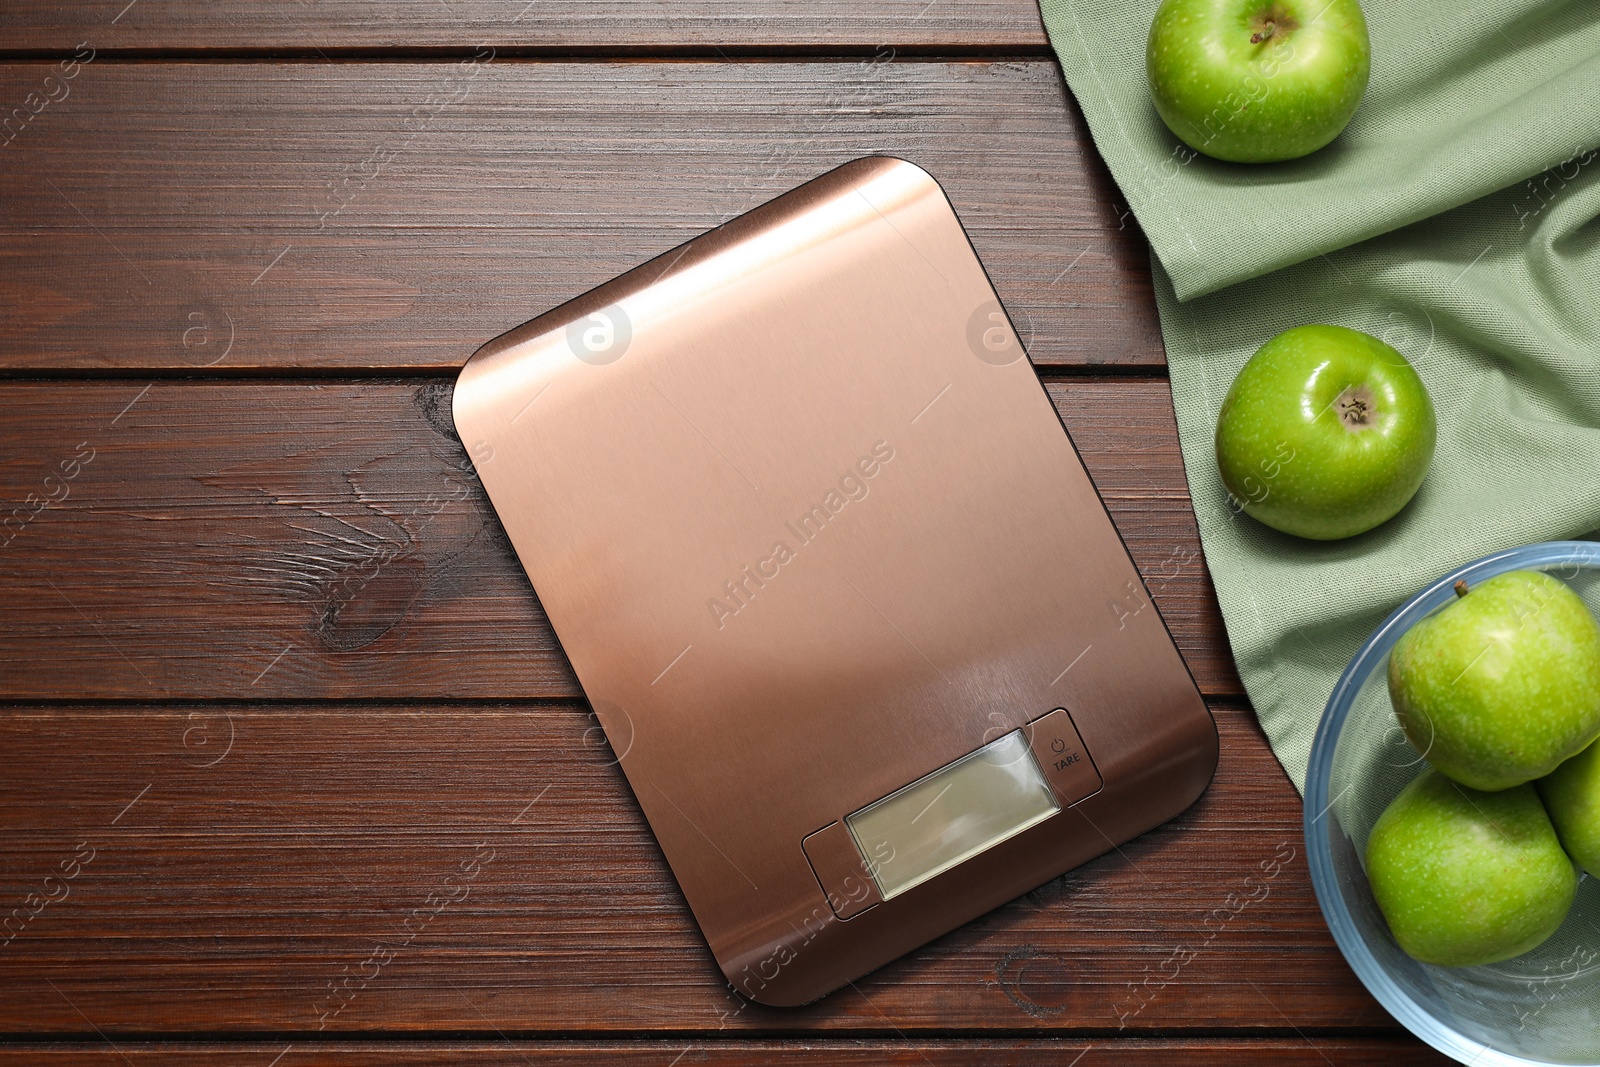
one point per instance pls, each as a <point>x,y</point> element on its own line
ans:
<point>1296,1051</point>
<point>246,858</point>
<point>270,671</point>
<point>601,26</point>
<point>229,216</point>
<point>334,531</point>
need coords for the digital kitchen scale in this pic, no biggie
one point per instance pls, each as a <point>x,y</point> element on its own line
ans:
<point>857,625</point>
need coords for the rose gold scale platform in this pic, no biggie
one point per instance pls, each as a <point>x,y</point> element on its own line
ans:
<point>834,580</point>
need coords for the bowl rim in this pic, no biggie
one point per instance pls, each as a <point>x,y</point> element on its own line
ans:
<point>1424,1024</point>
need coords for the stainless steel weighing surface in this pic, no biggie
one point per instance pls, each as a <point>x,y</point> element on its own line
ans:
<point>810,532</point>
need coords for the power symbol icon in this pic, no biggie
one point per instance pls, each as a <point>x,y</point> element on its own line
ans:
<point>1058,745</point>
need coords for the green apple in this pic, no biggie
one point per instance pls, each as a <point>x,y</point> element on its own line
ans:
<point>1326,433</point>
<point>1572,794</point>
<point>1503,684</point>
<point>1257,81</point>
<point>1467,878</point>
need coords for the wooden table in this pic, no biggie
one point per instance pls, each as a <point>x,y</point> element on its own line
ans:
<point>271,671</point>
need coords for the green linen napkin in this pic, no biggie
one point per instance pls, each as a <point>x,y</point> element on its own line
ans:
<point>1458,218</point>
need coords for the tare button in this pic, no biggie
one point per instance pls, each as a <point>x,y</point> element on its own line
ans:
<point>1063,758</point>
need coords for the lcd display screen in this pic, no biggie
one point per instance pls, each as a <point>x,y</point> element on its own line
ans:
<point>953,814</point>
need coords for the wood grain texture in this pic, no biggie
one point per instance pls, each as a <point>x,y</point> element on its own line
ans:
<point>271,868</point>
<point>227,216</point>
<point>1058,1052</point>
<point>300,540</point>
<point>617,26</point>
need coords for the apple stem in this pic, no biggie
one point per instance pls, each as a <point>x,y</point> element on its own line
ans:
<point>1461,587</point>
<point>1263,34</point>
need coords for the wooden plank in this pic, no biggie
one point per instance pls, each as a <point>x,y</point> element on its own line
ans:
<point>478,868</point>
<point>1127,437</point>
<point>230,216</point>
<point>831,26</point>
<point>1206,1052</point>
<point>326,539</point>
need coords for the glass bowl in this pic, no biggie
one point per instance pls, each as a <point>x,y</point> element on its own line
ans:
<point>1542,1007</point>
